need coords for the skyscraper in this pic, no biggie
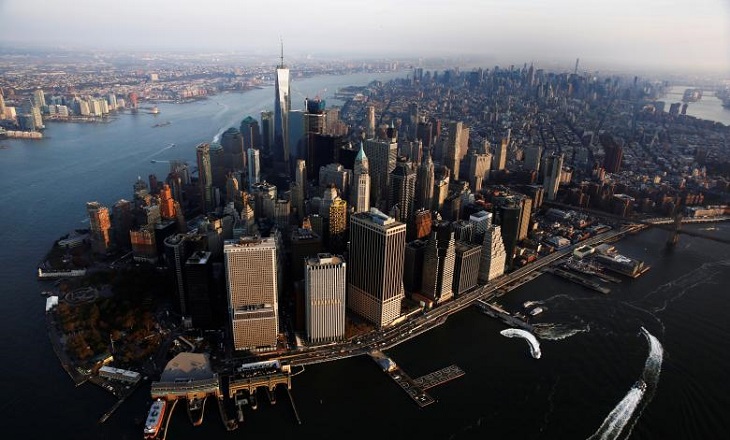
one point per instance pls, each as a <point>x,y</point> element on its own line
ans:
<point>205,176</point>
<point>532,157</point>
<point>612,160</point>
<point>402,190</point>
<point>282,105</point>
<point>122,221</point>
<point>499,161</point>
<point>315,121</point>
<point>251,268</point>
<point>177,251</point>
<point>480,221</point>
<point>167,203</point>
<point>382,155</point>
<point>254,167</point>
<point>438,264</point>
<point>325,286</point>
<point>232,142</point>
<point>551,176</point>
<point>466,266</point>
<point>360,192</point>
<point>251,133</point>
<point>375,278</point>
<point>424,183</point>
<point>99,227</point>
<point>370,132</point>
<point>479,164</point>
<point>199,283</point>
<point>493,256</point>
<point>267,132</point>
<point>452,158</point>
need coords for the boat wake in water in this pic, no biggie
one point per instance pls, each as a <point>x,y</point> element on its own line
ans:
<point>519,333</point>
<point>620,417</point>
<point>557,332</point>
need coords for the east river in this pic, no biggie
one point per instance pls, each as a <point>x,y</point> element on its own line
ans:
<point>585,383</point>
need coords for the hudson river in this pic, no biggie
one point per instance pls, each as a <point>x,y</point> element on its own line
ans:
<point>585,384</point>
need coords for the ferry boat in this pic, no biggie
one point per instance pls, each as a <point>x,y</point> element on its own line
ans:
<point>154,419</point>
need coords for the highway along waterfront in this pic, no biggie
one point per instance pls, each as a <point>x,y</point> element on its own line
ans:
<point>592,347</point>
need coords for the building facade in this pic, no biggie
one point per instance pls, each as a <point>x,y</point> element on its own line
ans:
<point>375,277</point>
<point>252,287</point>
<point>325,286</point>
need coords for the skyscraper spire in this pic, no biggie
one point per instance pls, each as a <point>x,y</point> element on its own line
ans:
<point>281,42</point>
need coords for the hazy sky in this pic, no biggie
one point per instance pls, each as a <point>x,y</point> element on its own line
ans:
<point>686,34</point>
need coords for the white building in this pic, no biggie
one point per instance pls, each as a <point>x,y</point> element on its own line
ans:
<point>325,286</point>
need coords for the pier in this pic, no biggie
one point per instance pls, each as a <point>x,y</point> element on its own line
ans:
<point>578,279</point>
<point>416,388</point>
<point>438,377</point>
<point>501,314</point>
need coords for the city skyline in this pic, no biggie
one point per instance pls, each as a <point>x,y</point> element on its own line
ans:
<point>650,34</point>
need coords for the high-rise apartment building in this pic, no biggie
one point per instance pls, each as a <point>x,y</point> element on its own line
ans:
<point>325,286</point>
<point>375,277</point>
<point>251,281</point>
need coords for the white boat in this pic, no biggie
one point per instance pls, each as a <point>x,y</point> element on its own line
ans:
<point>536,311</point>
<point>154,418</point>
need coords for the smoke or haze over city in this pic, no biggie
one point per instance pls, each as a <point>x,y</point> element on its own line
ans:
<point>662,34</point>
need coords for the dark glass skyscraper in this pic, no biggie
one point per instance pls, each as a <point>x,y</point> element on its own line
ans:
<point>282,104</point>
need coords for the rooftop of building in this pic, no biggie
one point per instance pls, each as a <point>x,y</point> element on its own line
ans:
<point>187,366</point>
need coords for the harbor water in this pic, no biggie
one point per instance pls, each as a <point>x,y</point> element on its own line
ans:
<point>586,383</point>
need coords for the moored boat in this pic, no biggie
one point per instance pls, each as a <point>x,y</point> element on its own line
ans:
<point>154,418</point>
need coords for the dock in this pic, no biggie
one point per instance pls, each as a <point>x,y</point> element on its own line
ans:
<point>415,388</point>
<point>438,377</point>
<point>497,312</point>
<point>578,279</point>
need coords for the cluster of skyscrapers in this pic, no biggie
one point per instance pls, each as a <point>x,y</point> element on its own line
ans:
<point>299,220</point>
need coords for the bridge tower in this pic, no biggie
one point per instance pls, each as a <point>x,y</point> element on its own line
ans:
<point>674,235</point>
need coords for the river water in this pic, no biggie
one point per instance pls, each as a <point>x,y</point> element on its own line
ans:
<point>709,107</point>
<point>585,383</point>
